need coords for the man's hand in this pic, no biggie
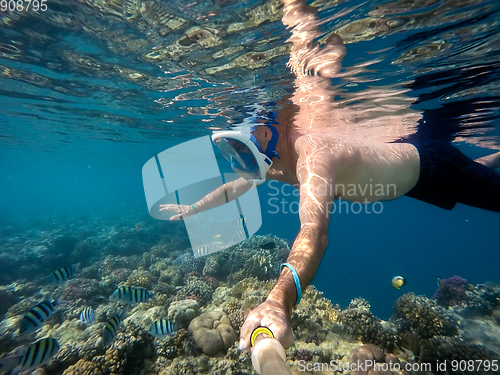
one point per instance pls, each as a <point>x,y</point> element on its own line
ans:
<point>272,315</point>
<point>183,210</point>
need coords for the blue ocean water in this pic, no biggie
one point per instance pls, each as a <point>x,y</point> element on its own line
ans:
<point>86,101</point>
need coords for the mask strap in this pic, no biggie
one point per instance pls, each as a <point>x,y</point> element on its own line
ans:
<point>270,149</point>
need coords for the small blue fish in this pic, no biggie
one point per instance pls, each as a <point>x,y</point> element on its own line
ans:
<point>87,316</point>
<point>37,354</point>
<point>111,328</point>
<point>162,328</point>
<point>36,317</point>
<point>64,274</point>
<point>130,294</point>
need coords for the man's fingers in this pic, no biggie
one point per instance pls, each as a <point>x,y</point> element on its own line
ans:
<point>284,336</point>
<point>169,207</point>
<point>175,218</point>
<point>246,330</point>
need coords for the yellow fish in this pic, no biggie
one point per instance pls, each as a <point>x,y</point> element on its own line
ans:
<point>398,281</point>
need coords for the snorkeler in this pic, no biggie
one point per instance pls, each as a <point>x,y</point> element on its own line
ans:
<point>303,145</point>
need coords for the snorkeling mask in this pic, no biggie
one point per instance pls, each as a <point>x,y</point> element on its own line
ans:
<point>244,153</point>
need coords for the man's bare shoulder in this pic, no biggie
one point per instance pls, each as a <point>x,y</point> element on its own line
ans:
<point>320,142</point>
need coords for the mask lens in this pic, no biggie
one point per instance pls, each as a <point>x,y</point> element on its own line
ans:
<point>241,158</point>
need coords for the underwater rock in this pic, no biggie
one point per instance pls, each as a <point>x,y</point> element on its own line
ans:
<point>370,359</point>
<point>182,312</point>
<point>212,332</point>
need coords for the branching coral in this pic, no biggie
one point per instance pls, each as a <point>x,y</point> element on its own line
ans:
<point>142,279</point>
<point>422,316</point>
<point>197,287</point>
<point>451,292</point>
<point>188,263</point>
<point>366,327</point>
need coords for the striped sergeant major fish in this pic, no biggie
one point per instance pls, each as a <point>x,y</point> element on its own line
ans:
<point>130,294</point>
<point>162,328</point>
<point>36,355</point>
<point>87,316</point>
<point>240,236</point>
<point>201,251</point>
<point>64,274</point>
<point>242,221</point>
<point>111,328</point>
<point>36,317</point>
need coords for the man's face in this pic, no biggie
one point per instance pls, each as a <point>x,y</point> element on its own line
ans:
<point>263,135</point>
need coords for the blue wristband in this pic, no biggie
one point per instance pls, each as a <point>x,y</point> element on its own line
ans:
<point>295,278</point>
<point>195,209</point>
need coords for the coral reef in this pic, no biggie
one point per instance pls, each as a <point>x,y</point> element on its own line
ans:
<point>141,279</point>
<point>451,292</point>
<point>172,275</point>
<point>372,360</point>
<point>212,332</point>
<point>484,299</point>
<point>211,296</point>
<point>423,317</point>
<point>87,289</point>
<point>182,312</point>
<point>188,263</point>
<point>198,288</point>
<point>7,298</point>
<point>366,327</point>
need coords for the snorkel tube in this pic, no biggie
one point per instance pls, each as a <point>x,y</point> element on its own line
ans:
<point>268,355</point>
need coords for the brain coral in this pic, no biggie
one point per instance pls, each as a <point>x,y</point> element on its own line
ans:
<point>212,332</point>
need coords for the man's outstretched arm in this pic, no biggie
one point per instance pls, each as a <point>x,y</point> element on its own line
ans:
<point>315,174</point>
<point>218,197</point>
